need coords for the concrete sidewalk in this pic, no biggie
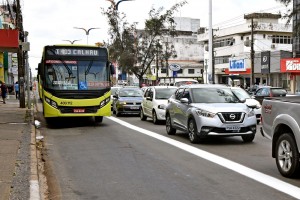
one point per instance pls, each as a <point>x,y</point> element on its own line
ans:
<point>16,144</point>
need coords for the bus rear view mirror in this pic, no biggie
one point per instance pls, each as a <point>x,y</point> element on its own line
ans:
<point>112,68</point>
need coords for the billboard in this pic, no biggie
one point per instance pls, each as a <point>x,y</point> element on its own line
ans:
<point>237,65</point>
<point>265,62</point>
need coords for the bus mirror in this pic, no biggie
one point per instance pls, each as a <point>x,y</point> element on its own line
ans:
<point>112,68</point>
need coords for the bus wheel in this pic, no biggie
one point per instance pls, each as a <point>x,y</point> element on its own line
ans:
<point>99,119</point>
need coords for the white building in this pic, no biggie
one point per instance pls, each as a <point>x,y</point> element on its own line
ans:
<point>232,46</point>
<point>189,51</point>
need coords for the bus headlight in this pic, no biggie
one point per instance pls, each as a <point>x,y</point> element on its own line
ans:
<point>104,102</point>
<point>51,102</point>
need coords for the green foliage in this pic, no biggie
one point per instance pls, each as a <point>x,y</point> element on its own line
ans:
<point>134,49</point>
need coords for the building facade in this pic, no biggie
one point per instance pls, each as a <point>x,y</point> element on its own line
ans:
<point>233,46</point>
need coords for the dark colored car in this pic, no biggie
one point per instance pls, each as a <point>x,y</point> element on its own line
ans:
<point>268,91</point>
<point>127,100</point>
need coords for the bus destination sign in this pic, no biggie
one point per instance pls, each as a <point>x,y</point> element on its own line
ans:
<point>73,52</point>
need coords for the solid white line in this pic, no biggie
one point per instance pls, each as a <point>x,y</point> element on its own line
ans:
<point>241,169</point>
<point>34,190</point>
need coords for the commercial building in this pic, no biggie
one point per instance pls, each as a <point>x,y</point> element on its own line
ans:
<point>272,42</point>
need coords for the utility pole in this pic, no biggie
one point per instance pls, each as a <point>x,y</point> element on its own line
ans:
<point>252,53</point>
<point>21,79</point>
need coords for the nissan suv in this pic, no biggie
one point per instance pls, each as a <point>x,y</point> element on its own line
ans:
<point>205,110</point>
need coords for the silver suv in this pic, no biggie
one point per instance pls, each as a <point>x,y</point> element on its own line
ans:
<point>209,110</point>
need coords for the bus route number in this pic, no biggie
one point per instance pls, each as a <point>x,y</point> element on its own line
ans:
<point>66,103</point>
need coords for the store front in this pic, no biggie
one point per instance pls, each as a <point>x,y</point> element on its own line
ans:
<point>291,68</point>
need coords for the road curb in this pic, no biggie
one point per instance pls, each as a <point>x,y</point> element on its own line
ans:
<point>34,176</point>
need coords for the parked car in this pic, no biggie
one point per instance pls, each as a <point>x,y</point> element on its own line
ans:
<point>269,91</point>
<point>205,110</point>
<point>280,123</point>
<point>155,102</point>
<point>114,89</point>
<point>127,100</point>
<point>250,100</point>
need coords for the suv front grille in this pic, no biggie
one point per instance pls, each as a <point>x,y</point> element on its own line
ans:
<point>230,117</point>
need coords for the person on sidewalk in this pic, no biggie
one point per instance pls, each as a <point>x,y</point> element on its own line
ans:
<point>4,91</point>
<point>16,86</point>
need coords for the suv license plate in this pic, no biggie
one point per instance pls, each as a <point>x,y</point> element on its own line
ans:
<point>134,107</point>
<point>233,128</point>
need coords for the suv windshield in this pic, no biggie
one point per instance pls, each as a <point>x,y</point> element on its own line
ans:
<point>164,93</point>
<point>213,95</point>
<point>241,93</point>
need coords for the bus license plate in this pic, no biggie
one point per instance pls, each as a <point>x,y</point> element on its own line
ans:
<point>233,128</point>
<point>78,110</point>
<point>135,107</point>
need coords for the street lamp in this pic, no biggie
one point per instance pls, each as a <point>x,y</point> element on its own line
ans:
<point>87,31</point>
<point>71,41</point>
<point>116,7</point>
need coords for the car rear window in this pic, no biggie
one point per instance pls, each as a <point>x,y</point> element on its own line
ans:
<point>278,91</point>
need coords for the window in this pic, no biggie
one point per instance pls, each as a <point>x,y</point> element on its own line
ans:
<point>191,71</point>
<point>163,70</point>
<point>178,94</point>
<point>179,71</point>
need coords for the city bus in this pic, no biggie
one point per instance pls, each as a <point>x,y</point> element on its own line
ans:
<point>75,81</point>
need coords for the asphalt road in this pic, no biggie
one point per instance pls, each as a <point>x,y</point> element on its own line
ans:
<point>116,160</point>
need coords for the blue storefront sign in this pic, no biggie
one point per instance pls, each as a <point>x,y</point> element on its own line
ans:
<point>237,65</point>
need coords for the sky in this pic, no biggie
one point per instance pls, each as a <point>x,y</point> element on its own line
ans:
<point>51,22</point>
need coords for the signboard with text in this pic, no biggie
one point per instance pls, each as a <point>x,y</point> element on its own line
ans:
<point>290,65</point>
<point>237,65</point>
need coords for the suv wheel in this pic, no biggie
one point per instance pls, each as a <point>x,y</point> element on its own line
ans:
<point>287,156</point>
<point>154,117</point>
<point>169,128</point>
<point>248,138</point>
<point>142,116</point>
<point>192,128</point>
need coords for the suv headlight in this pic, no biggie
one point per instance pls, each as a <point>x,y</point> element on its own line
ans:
<point>205,113</point>
<point>251,113</point>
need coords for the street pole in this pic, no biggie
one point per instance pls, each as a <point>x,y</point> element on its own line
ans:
<point>19,24</point>
<point>210,42</point>
<point>252,53</point>
<point>27,74</point>
<point>87,32</point>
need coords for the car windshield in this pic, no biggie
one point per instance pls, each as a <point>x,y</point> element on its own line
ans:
<point>164,93</point>
<point>114,90</point>
<point>131,93</point>
<point>213,95</point>
<point>241,93</point>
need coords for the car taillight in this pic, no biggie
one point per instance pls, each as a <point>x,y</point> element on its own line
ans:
<point>271,94</point>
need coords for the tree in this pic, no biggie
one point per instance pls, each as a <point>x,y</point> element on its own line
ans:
<point>134,49</point>
<point>289,16</point>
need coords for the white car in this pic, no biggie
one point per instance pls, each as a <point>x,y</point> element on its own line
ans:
<point>155,101</point>
<point>242,94</point>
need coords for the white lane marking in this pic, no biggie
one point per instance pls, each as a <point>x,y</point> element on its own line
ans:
<point>34,190</point>
<point>241,169</point>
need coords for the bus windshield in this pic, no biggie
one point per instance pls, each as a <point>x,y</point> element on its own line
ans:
<point>76,75</point>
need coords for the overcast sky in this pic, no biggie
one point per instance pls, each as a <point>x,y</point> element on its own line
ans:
<point>51,22</point>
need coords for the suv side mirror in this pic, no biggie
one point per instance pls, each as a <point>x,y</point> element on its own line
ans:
<point>184,100</point>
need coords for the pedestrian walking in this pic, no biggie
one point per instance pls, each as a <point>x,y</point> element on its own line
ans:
<point>17,89</point>
<point>4,91</point>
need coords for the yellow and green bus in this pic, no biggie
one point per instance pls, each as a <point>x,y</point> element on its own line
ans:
<point>75,81</point>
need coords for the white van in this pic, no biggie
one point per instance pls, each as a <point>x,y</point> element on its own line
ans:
<point>179,81</point>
